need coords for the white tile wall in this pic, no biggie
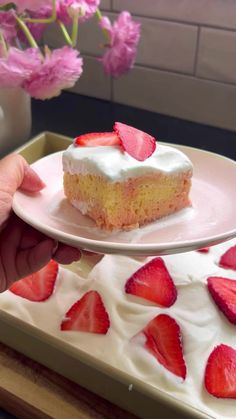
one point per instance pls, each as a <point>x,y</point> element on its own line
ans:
<point>105,4</point>
<point>178,95</point>
<point>93,81</point>
<point>186,60</point>
<point>167,45</point>
<point>90,37</point>
<point>220,13</point>
<point>217,55</point>
<point>53,36</point>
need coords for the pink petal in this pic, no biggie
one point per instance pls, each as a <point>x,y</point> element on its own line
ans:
<point>60,70</point>
<point>120,55</point>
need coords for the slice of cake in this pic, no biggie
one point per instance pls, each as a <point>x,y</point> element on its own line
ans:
<point>124,179</point>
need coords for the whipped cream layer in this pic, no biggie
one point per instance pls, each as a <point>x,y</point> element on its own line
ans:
<point>115,165</point>
<point>202,324</point>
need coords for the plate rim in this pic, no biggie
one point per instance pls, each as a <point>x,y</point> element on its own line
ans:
<point>129,248</point>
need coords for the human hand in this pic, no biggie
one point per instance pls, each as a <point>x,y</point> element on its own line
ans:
<point>23,250</point>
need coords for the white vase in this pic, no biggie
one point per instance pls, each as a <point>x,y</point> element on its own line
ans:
<point>15,119</point>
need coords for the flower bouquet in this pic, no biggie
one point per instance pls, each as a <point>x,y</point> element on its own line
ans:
<point>25,62</point>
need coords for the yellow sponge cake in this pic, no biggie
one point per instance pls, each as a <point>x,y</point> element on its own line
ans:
<point>118,191</point>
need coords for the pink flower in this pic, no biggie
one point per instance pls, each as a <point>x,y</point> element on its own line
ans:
<point>23,5</point>
<point>8,25</point>
<point>59,70</point>
<point>37,29</point>
<point>66,9</point>
<point>17,66</point>
<point>124,37</point>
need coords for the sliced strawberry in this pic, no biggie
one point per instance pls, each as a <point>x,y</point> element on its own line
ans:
<point>136,143</point>
<point>154,283</point>
<point>95,139</point>
<point>204,250</point>
<point>228,259</point>
<point>87,315</point>
<point>38,286</point>
<point>220,372</point>
<point>223,291</point>
<point>164,341</point>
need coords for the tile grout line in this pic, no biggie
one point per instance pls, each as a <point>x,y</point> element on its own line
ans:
<point>180,21</point>
<point>174,72</point>
<point>213,123</point>
<point>165,70</point>
<point>189,75</point>
<point>196,52</point>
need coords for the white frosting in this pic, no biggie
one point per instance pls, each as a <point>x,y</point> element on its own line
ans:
<point>116,165</point>
<point>203,325</point>
<point>82,206</point>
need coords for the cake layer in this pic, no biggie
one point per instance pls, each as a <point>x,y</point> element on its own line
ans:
<point>202,324</point>
<point>128,204</point>
<point>114,165</point>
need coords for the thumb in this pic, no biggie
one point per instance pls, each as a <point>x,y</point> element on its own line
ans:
<point>17,173</point>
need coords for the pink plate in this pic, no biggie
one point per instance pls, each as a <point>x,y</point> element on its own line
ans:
<point>210,220</point>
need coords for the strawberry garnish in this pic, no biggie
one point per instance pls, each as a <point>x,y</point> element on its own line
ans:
<point>204,250</point>
<point>39,286</point>
<point>223,291</point>
<point>163,340</point>
<point>220,373</point>
<point>154,283</point>
<point>228,259</point>
<point>87,315</point>
<point>95,139</point>
<point>136,143</point>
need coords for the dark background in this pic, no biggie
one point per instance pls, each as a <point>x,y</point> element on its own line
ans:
<point>72,114</point>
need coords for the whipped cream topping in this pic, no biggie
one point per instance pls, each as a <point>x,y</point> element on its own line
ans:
<point>202,324</point>
<point>115,165</point>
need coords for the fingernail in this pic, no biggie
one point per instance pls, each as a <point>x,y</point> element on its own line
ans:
<point>32,181</point>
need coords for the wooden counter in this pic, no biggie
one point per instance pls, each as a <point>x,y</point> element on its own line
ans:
<point>28,390</point>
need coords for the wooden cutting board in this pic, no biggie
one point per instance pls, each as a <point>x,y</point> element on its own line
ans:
<point>29,390</point>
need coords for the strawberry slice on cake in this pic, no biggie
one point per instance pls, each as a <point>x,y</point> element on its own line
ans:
<point>220,372</point>
<point>204,250</point>
<point>38,286</point>
<point>153,282</point>
<point>95,139</point>
<point>164,342</point>
<point>228,259</point>
<point>87,315</point>
<point>136,143</point>
<point>223,291</point>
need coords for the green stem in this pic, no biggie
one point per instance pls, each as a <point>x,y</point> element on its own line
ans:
<point>105,32</point>
<point>26,32</point>
<point>98,14</point>
<point>65,33</point>
<point>7,6</point>
<point>4,44</point>
<point>50,19</point>
<point>75,27</point>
